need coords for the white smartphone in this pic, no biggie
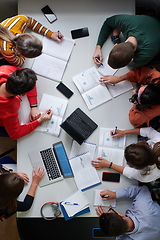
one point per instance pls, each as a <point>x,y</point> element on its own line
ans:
<point>49,14</point>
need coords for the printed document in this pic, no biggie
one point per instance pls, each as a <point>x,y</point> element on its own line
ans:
<point>85,175</point>
<point>58,106</point>
<point>111,148</point>
<point>89,86</point>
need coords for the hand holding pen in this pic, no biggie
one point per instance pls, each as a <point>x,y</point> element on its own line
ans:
<point>98,60</point>
<point>118,133</point>
<point>57,36</point>
<point>107,195</point>
<point>45,116</point>
<point>115,130</point>
<point>109,79</point>
<point>60,36</point>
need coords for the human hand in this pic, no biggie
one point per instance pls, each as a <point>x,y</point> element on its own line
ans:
<point>117,133</point>
<point>57,36</point>
<point>97,54</point>
<point>45,116</point>
<point>111,195</point>
<point>100,163</point>
<point>37,175</point>
<point>34,114</point>
<point>109,79</point>
<point>100,210</point>
<point>24,176</point>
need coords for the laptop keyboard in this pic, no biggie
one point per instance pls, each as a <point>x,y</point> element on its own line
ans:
<point>50,163</point>
<point>82,128</point>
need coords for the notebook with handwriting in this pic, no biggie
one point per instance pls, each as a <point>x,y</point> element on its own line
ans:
<point>53,60</point>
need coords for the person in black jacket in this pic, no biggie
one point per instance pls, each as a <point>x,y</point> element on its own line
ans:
<point>11,185</point>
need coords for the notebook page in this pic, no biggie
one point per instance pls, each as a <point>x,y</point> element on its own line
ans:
<point>78,197</point>
<point>113,155</point>
<point>49,67</point>
<point>85,175</point>
<point>77,149</point>
<point>61,50</point>
<point>106,69</point>
<point>97,200</point>
<point>120,88</point>
<point>106,140</point>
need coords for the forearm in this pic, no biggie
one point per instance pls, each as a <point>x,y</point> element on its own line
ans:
<point>104,33</point>
<point>135,131</point>
<point>122,78</point>
<point>117,168</point>
<point>37,27</point>
<point>16,131</point>
<point>32,189</point>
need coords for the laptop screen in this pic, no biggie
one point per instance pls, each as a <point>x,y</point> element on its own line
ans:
<point>62,158</point>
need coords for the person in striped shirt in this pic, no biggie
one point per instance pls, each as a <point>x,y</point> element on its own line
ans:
<point>16,45</point>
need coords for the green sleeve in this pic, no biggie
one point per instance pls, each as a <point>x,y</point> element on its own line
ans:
<point>106,30</point>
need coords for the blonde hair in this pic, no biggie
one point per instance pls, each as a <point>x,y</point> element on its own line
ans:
<point>26,44</point>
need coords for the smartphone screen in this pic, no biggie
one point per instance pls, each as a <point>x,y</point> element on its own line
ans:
<point>97,233</point>
<point>110,177</point>
<point>64,90</point>
<point>79,33</point>
<point>48,13</point>
<point>63,160</point>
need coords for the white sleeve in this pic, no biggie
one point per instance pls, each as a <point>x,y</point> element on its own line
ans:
<point>151,133</point>
<point>140,176</point>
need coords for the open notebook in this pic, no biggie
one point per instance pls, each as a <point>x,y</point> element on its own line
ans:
<point>53,60</point>
<point>111,148</point>
<point>94,93</point>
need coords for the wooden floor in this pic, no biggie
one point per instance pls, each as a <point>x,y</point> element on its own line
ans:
<point>8,227</point>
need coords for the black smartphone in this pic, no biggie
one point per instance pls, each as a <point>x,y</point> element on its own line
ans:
<point>64,90</point>
<point>110,177</point>
<point>79,33</point>
<point>97,233</point>
<point>63,160</point>
<point>49,14</point>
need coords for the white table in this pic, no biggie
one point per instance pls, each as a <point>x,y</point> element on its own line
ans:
<point>73,15</point>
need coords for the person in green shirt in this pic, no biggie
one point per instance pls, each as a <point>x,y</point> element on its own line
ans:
<point>142,40</point>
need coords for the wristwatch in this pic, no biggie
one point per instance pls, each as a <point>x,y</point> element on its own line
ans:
<point>113,38</point>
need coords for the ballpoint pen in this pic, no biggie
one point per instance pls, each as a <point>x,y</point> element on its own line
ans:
<point>109,83</point>
<point>106,196</point>
<point>48,112</point>
<point>114,131</point>
<point>70,203</point>
<point>59,35</point>
<point>98,61</point>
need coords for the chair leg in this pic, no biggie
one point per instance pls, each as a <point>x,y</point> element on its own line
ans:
<point>5,153</point>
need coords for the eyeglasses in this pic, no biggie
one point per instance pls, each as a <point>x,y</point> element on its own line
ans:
<point>111,209</point>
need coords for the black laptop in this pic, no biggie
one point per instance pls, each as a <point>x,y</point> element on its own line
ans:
<point>79,126</point>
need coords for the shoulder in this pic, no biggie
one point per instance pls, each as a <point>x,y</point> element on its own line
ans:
<point>8,69</point>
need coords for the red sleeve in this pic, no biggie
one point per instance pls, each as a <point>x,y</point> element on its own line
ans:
<point>138,118</point>
<point>15,130</point>
<point>32,96</point>
<point>141,74</point>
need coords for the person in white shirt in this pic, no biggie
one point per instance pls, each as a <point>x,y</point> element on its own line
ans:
<point>143,158</point>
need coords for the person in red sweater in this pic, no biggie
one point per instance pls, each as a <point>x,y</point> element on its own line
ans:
<point>13,83</point>
<point>146,97</point>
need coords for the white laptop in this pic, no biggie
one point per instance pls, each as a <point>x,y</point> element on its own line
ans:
<point>55,162</point>
<point>46,158</point>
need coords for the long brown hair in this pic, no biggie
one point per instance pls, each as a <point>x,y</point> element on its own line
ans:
<point>26,44</point>
<point>140,155</point>
<point>11,185</point>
